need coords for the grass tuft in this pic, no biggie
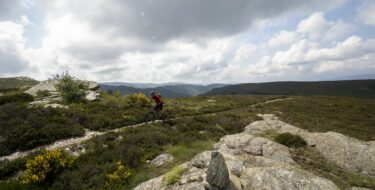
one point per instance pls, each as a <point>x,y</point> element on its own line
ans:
<point>290,140</point>
<point>174,175</point>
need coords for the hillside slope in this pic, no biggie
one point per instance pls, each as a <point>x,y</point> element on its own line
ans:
<point>354,88</point>
<point>16,82</point>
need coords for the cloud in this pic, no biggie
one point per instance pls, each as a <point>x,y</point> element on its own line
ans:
<point>303,56</point>
<point>366,13</point>
<point>189,41</point>
<point>11,47</point>
<point>317,27</point>
<point>282,38</point>
<point>162,20</point>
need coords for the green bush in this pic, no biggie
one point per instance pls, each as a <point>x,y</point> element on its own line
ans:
<point>71,89</point>
<point>290,140</point>
<point>18,97</point>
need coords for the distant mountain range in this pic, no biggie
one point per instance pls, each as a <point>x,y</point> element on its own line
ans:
<point>358,77</point>
<point>354,88</point>
<point>170,90</point>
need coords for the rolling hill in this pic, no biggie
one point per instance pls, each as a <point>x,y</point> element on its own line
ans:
<point>170,91</point>
<point>354,88</point>
<point>16,82</point>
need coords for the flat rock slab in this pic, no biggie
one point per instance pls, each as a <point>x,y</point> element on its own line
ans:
<point>162,159</point>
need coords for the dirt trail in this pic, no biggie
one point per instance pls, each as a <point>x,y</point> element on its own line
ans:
<point>89,134</point>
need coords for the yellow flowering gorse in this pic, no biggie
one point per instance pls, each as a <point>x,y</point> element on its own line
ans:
<point>120,173</point>
<point>46,165</point>
<point>138,99</point>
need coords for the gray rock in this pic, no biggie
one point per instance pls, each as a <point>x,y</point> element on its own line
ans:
<point>349,153</point>
<point>162,159</point>
<point>55,106</point>
<point>201,160</point>
<point>281,178</point>
<point>92,95</point>
<point>358,188</point>
<point>152,184</point>
<point>48,85</point>
<point>217,173</point>
<point>194,175</point>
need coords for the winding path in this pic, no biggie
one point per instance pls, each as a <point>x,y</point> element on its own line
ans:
<point>90,134</point>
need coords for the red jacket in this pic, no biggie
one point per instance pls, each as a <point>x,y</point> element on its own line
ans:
<point>157,99</point>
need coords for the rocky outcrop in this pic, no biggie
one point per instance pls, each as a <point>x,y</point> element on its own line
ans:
<point>243,162</point>
<point>49,86</point>
<point>349,153</point>
<point>161,160</point>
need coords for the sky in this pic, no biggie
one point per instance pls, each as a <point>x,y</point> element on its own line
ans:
<point>191,41</point>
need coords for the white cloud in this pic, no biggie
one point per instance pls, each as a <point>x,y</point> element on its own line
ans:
<point>353,53</point>
<point>317,27</point>
<point>11,48</point>
<point>366,12</point>
<point>245,52</point>
<point>282,38</point>
<point>161,41</point>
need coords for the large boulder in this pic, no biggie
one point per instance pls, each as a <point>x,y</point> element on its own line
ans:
<point>217,173</point>
<point>48,85</point>
<point>91,95</point>
<point>352,154</point>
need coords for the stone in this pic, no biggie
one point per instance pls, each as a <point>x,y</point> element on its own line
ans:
<point>255,146</point>
<point>352,154</point>
<point>192,176</point>
<point>358,188</point>
<point>161,160</point>
<point>91,95</point>
<point>201,160</point>
<point>152,184</point>
<point>217,173</point>
<point>48,85</point>
<point>55,106</point>
<point>281,178</point>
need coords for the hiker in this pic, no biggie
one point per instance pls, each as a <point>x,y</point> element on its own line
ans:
<point>158,101</point>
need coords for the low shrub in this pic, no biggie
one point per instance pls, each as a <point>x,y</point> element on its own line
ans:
<point>70,88</point>
<point>44,167</point>
<point>290,140</point>
<point>24,128</point>
<point>119,173</point>
<point>18,97</point>
<point>138,99</point>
